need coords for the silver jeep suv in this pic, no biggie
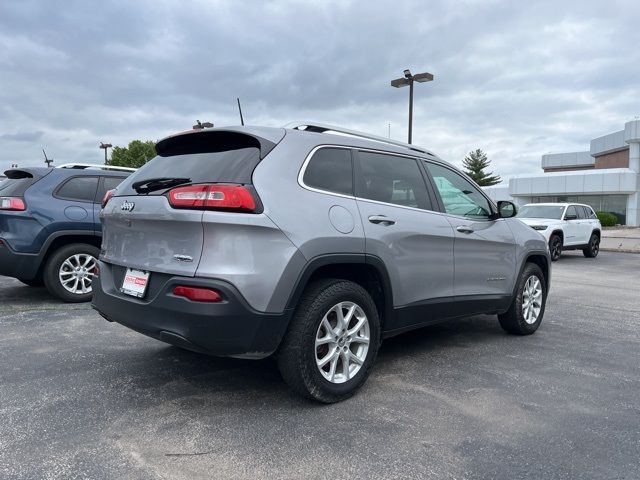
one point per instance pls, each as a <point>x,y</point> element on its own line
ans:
<point>312,243</point>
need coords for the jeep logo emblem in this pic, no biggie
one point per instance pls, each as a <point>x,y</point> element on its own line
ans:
<point>127,206</point>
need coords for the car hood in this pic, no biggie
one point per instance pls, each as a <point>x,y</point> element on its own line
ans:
<point>538,221</point>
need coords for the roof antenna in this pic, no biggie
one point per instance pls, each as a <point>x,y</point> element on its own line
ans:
<point>240,110</point>
<point>48,161</point>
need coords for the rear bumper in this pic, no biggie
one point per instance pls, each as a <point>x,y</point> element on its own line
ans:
<point>228,328</point>
<point>18,265</point>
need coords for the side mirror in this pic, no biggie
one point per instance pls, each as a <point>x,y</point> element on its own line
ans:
<point>570,217</point>
<point>506,209</point>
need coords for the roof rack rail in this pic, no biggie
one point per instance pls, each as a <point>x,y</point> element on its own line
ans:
<point>323,127</point>
<point>92,166</point>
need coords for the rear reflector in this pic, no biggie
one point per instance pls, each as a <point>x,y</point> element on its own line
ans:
<point>213,196</point>
<point>12,203</point>
<point>198,294</point>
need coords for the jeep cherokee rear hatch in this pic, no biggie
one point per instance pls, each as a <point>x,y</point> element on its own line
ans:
<point>153,222</point>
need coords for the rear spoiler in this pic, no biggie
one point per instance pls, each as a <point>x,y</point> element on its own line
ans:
<point>18,173</point>
<point>210,141</point>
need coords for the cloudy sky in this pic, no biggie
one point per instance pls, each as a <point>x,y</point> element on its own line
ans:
<point>517,79</point>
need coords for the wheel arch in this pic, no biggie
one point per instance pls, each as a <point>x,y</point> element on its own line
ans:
<point>558,232</point>
<point>60,239</point>
<point>540,259</point>
<point>365,270</point>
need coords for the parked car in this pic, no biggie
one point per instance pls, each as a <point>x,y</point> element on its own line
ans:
<point>315,246</point>
<point>565,226</point>
<point>49,225</point>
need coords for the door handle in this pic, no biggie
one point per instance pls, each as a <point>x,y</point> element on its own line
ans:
<point>381,220</point>
<point>464,229</point>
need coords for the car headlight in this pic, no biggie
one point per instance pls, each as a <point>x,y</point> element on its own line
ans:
<point>539,227</point>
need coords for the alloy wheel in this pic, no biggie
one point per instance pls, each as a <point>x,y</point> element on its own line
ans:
<point>556,248</point>
<point>531,299</point>
<point>595,245</point>
<point>342,342</point>
<point>76,273</point>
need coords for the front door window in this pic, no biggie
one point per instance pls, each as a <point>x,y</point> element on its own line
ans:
<point>459,196</point>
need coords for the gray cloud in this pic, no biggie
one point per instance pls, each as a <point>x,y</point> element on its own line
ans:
<point>515,79</point>
<point>22,136</point>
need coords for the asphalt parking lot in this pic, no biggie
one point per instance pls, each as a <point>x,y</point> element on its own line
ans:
<point>84,398</point>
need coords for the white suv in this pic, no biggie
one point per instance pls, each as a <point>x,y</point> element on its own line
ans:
<point>566,226</point>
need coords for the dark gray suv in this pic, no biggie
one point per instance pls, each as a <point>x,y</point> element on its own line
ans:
<point>312,243</point>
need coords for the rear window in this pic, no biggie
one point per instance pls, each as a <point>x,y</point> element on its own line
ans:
<point>581,212</point>
<point>15,187</point>
<point>232,166</point>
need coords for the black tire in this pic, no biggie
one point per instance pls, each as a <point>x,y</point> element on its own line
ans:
<point>513,321</point>
<point>35,282</point>
<point>555,246</point>
<point>52,269</point>
<point>297,354</point>
<point>593,248</point>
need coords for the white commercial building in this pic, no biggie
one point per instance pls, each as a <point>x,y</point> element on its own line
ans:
<point>607,177</point>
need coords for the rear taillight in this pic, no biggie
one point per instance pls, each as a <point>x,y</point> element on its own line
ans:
<point>107,196</point>
<point>12,203</point>
<point>213,196</point>
<point>198,294</point>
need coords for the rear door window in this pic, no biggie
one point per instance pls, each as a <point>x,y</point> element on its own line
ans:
<point>582,214</point>
<point>80,189</point>
<point>391,179</point>
<point>330,170</point>
<point>107,183</point>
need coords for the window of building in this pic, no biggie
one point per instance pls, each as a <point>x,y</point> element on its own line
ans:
<point>458,195</point>
<point>330,169</point>
<point>391,179</point>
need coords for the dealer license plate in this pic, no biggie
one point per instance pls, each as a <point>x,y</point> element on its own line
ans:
<point>135,283</point>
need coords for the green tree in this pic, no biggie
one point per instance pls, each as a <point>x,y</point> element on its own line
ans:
<point>475,164</point>
<point>134,155</point>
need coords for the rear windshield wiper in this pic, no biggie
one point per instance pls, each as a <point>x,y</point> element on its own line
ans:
<point>160,183</point>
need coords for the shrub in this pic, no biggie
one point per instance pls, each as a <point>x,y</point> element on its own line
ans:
<point>607,219</point>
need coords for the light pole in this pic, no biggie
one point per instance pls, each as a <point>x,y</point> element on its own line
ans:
<point>408,79</point>
<point>105,146</point>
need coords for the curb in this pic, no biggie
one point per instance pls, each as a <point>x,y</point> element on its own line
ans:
<point>619,250</point>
